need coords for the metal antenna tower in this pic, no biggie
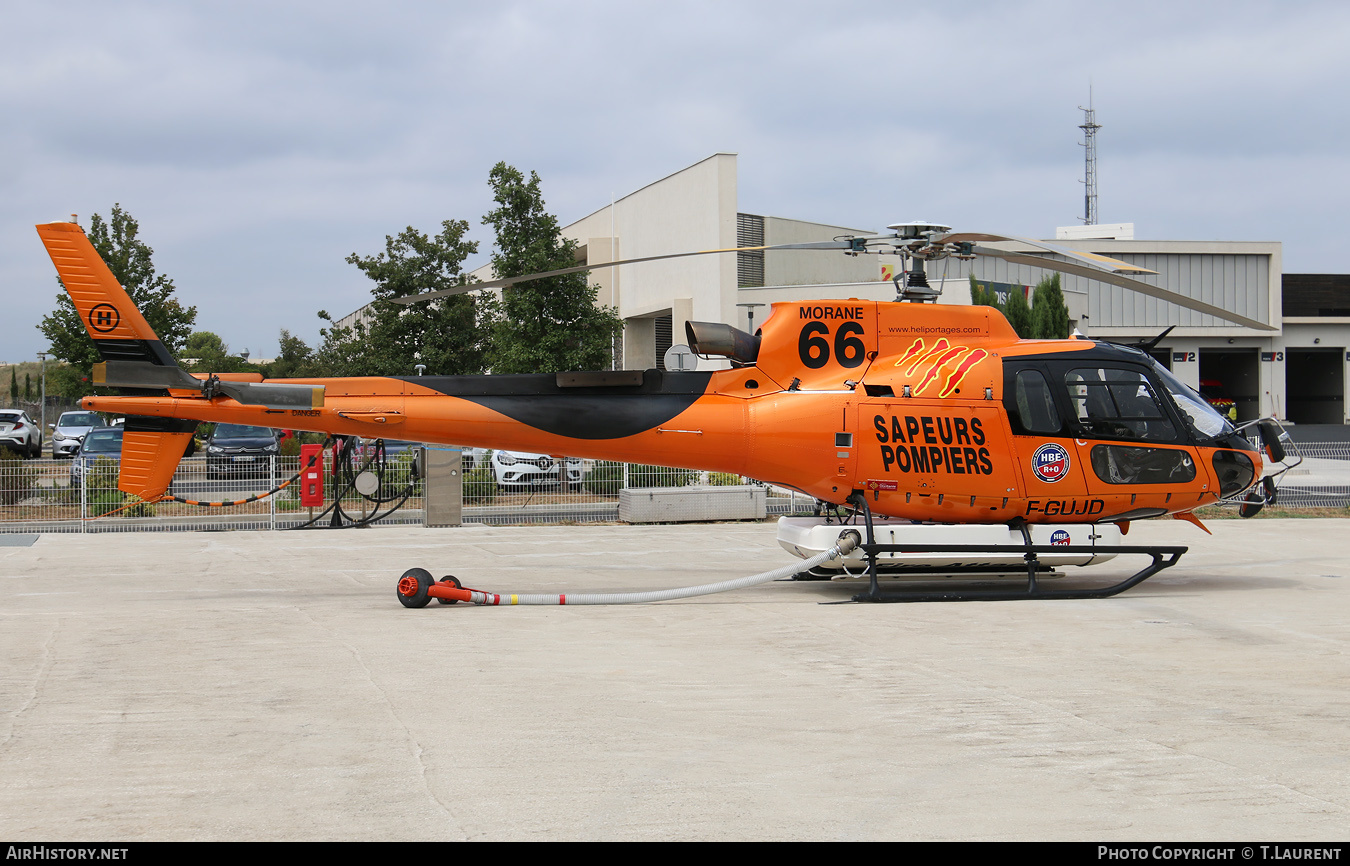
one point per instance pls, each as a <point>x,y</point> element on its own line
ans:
<point>1089,145</point>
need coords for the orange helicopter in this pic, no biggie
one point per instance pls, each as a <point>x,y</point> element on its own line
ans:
<point>972,450</point>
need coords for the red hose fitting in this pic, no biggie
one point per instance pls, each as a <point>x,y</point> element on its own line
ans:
<point>447,591</point>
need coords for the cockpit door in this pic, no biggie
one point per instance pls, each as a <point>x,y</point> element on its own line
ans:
<point>1135,452</point>
<point>1052,471</point>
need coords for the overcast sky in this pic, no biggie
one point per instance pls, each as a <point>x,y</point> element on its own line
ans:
<point>259,144</point>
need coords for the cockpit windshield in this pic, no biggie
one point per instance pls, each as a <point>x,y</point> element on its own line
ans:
<point>1207,423</point>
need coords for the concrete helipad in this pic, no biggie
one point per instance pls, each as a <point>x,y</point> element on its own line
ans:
<point>269,686</point>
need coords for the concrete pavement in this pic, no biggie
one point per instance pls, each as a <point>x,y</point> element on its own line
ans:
<point>256,685</point>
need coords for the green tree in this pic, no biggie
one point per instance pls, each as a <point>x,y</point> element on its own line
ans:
<point>294,360</point>
<point>207,350</point>
<point>1049,313</point>
<point>28,387</point>
<point>208,353</point>
<point>1018,312</point>
<point>13,386</point>
<point>445,335</point>
<point>549,325</point>
<point>981,297</point>
<point>205,344</point>
<point>130,261</point>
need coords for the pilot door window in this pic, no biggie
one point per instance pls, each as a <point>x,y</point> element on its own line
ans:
<point>1117,404</point>
<point>1033,412</point>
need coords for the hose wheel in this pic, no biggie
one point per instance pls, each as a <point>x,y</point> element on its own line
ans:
<point>455,581</point>
<point>413,586</point>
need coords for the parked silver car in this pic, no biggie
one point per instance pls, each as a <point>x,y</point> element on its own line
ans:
<point>70,429</point>
<point>19,433</point>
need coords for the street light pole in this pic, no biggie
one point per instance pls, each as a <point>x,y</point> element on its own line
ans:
<point>42,356</point>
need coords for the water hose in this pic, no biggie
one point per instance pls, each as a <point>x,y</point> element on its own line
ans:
<point>416,588</point>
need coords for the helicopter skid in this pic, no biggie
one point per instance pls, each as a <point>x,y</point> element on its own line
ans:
<point>974,554</point>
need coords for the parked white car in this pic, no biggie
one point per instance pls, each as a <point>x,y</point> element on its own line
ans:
<point>19,433</point>
<point>517,469</point>
<point>70,429</point>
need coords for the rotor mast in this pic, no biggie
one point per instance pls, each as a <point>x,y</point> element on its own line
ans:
<point>1089,145</point>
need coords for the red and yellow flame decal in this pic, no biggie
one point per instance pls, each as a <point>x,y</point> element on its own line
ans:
<point>956,360</point>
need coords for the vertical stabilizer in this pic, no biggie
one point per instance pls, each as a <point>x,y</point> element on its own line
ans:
<point>117,328</point>
<point>151,447</point>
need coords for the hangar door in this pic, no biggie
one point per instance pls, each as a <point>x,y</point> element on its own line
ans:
<point>1315,385</point>
<point>1238,371</point>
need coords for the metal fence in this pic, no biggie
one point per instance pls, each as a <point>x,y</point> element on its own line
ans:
<point>82,496</point>
<point>1324,450</point>
<point>589,491</point>
<point>1314,484</point>
<point>47,495</point>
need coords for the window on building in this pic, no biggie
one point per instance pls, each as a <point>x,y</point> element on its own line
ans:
<point>749,266</point>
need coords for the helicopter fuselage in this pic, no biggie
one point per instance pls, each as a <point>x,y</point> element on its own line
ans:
<point>934,412</point>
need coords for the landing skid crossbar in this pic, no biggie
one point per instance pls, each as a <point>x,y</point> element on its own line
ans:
<point>1163,557</point>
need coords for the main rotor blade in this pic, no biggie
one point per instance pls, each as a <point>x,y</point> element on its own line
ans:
<point>509,281</point>
<point>1092,260</point>
<point>1125,282</point>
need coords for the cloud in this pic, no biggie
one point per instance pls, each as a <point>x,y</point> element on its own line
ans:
<point>260,143</point>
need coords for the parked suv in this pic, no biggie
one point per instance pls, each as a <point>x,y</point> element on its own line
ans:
<point>236,449</point>
<point>19,434</point>
<point>70,429</point>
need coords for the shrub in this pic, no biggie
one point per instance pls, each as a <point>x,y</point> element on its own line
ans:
<point>604,479</point>
<point>642,475</point>
<point>723,479</point>
<point>480,486</point>
<point>100,482</point>
<point>16,478</point>
<point>137,508</point>
<point>398,474</point>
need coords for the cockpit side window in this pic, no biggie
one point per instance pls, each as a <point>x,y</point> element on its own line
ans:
<point>1033,410</point>
<point>1113,403</point>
